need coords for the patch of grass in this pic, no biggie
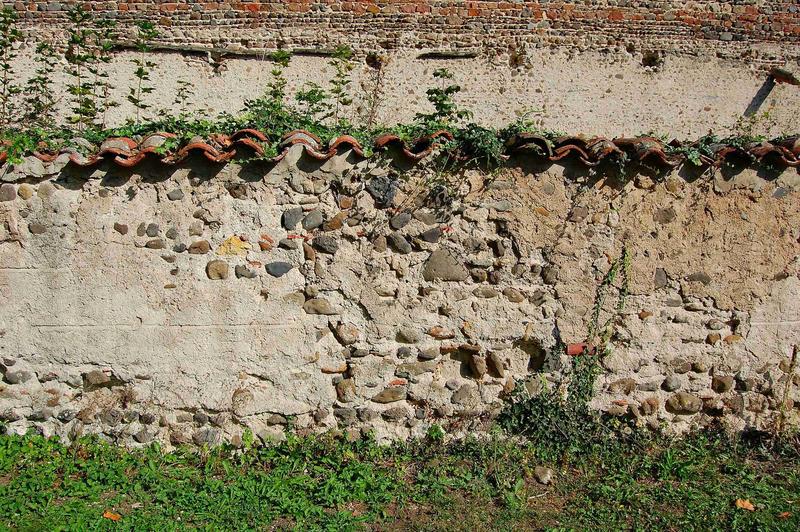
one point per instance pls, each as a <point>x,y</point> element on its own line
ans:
<point>643,482</point>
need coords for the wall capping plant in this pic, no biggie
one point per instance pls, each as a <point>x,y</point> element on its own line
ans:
<point>708,152</point>
<point>320,119</point>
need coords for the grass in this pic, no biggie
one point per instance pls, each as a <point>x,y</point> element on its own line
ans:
<point>327,483</point>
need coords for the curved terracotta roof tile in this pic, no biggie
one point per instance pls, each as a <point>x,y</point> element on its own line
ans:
<point>221,148</point>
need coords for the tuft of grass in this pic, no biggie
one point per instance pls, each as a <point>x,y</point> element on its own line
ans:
<point>326,482</point>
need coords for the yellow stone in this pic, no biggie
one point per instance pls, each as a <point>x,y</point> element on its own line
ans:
<point>25,191</point>
<point>234,246</point>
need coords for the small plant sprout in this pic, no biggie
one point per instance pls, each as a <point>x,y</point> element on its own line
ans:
<point>446,112</point>
<point>9,35</point>
<point>104,45</point>
<point>314,104</point>
<point>39,101</point>
<point>377,64</point>
<point>146,32</point>
<point>342,64</point>
<point>276,88</point>
<point>80,56</point>
<point>182,96</point>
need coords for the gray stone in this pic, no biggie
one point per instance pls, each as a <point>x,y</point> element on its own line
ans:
<point>477,364</point>
<point>291,217</point>
<point>111,417</point>
<point>399,243</point>
<point>428,353</point>
<point>699,277</point>
<point>346,416</point>
<point>207,436</point>
<point>442,265</point>
<point>152,230</point>
<point>464,394</point>
<point>671,383</point>
<point>7,192</point>
<point>313,220</point>
<point>346,333</point>
<point>684,403</point>
<point>499,205</point>
<point>143,436</point>
<point>398,221</point>
<point>243,272</point>
<point>37,228</point>
<point>201,247</point>
<point>579,214</point>
<point>96,379</point>
<point>404,352</point>
<point>391,395</point>
<point>664,216</point>
<point>543,475</point>
<point>660,278</point>
<point>326,244</point>
<point>409,334</point>
<point>175,195</point>
<point>18,376</point>
<point>486,292</point>
<point>319,305</point>
<point>217,270</point>
<point>276,419</point>
<point>452,384</point>
<point>426,217</point>
<point>278,269</point>
<point>550,274</point>
<point>196,228</point>
<point>172,233</point>
<point>66,415</point>
<point>395,414</point>
<point>383,189</point>
<point>432,235</point>
<point>289,243</point>
<point>722,383</point>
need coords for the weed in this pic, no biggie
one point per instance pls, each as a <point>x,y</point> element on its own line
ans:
<point>377,63</point>
<point>182,96</point>
<point>146,32</point>
<point>327,483</point>
<point>558,419</point>
<point>9,35</point>
<point>39,100</point>
<point>105,42</point>
<point>81,57</point>
<point>313,101</point>
<point>342,65</point>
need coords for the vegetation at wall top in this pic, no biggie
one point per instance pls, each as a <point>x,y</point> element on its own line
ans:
<point>27,124</point>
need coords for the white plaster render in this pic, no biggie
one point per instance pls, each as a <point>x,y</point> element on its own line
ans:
<point>587,92</point>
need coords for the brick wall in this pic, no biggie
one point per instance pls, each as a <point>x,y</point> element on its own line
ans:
<point>736,29</point>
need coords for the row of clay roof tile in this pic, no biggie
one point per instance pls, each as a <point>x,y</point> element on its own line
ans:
<point>127,152</point>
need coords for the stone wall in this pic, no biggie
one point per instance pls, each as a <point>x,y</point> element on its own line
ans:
<point>189,304</point>
<point>608,68</point>
<point>733,29</point>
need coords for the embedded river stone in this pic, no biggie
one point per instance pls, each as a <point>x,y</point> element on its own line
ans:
<point>442,265</point>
